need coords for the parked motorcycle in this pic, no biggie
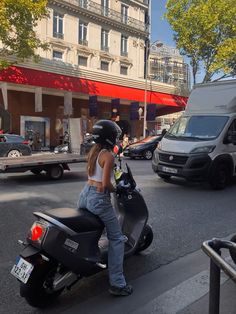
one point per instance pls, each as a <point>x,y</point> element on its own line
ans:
<point>66,244</point>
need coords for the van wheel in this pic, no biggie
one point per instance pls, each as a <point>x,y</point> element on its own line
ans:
<point>233,252</point>
<point>220,177</point>
<point>55,172</point>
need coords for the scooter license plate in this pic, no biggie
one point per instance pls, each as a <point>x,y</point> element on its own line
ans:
<point>22,270</point>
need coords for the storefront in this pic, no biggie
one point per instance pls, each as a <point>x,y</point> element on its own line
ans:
<point>41,102</point>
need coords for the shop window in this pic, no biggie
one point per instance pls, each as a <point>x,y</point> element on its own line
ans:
<point>83,61</point>
<point>124,70</point>
<point>57,55</point>
<point>104,65</point>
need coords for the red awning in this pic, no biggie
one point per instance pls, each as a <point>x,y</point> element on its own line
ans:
<point>20,75</point>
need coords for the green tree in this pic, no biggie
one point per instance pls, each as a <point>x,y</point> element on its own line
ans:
<point>205,31</point>
<point>18,19</point>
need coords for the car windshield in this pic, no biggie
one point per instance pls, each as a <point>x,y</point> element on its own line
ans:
<point>197,128</point>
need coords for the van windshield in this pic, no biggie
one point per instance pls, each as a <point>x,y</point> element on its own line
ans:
<point>197,128</point>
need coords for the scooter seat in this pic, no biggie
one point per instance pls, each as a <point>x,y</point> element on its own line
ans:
<point>79,220</point>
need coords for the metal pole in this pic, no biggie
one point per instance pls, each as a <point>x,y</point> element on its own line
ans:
<point>214,293</point>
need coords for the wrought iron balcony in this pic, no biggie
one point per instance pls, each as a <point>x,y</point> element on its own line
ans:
<point>105,48</point>
<point>96,8</point>
<point>83,42</point>
<point>58,35</point>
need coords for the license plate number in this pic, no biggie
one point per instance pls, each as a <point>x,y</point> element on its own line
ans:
<point>170,170</point>
<point>22,270</point>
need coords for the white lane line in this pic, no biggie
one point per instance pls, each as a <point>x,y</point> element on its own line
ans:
<point>181,296</point>
<point>6,197</point>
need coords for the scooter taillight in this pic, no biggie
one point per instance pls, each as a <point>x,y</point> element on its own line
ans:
<point>37,231</point>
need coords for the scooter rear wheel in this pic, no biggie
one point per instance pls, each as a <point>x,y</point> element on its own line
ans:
<point>37,291</point>
<point>233,253</point>
<point>145,239</point>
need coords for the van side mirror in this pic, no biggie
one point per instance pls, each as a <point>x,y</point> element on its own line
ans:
<point>231,137</point>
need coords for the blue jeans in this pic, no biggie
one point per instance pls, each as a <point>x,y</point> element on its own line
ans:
<point>100,204</point>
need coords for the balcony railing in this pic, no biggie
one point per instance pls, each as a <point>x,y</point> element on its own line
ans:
<point>58,35</point>
<point>105,48</point>
<point>83,42</point>
<point>111,14</point>
<point>124,53</point>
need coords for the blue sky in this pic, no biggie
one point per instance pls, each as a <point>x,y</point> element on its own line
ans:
<point>160,28</point>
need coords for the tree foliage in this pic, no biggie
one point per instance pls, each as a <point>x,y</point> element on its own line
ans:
<point>205,31</point>
<point>18,19</point>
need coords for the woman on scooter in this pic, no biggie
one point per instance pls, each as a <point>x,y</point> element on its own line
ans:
<point>95,196</point>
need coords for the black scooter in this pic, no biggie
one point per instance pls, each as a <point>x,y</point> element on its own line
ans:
<point>66,244</point>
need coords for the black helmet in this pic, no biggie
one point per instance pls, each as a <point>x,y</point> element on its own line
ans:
<point>106,132</point>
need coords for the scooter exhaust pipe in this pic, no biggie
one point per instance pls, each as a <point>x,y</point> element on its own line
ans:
<point>65,280</point>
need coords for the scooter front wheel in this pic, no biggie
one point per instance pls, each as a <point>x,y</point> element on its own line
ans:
<point>145,239</point>
<point>38,291</point>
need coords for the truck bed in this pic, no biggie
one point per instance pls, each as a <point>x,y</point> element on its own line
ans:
<point>40,160</point>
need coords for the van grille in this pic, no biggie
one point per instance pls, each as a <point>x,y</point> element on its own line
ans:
<point>177,159</point>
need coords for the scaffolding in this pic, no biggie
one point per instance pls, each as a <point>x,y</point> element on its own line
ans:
<point>166,65</point>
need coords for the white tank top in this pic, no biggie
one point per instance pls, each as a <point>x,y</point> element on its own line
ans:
<point>97,176</point>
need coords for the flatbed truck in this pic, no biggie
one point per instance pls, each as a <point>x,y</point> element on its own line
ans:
<point>53,164</point>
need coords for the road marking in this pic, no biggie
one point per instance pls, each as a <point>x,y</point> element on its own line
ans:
<point>182,295</point>
<point>8,197</point>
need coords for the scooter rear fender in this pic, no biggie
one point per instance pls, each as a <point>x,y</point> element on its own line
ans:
<point>29,251</point>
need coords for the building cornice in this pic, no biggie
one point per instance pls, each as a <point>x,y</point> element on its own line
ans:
<point>73,7</point>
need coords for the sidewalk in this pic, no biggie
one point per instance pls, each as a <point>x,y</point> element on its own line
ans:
<point>181,287</point>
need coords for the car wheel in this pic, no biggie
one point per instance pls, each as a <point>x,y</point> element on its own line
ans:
<point>220,177</point>
<point>14,153</point>
<point>148,154</point>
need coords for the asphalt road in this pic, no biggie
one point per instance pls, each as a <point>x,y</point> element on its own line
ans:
<point>182,216</point>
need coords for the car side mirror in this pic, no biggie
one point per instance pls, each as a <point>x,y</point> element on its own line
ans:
<point>231,137</point>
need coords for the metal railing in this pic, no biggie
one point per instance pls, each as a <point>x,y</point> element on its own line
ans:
<point>111,14</point>
<point>58,35</point>
<point>213,249</point>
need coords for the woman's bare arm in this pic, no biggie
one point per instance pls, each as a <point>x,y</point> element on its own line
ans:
<point>107,163</point>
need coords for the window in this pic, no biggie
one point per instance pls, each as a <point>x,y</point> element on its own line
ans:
<point>124,70</point>
<point>83,3</point>
<point>124,46</point>
<point>57,55</point>
<point>104,65</point>
<point>105,7</point>
<point>83,61</point>
<point>58,25</point>
<point>83,33</point>
<point>104,40</point>
<point>124,14</point>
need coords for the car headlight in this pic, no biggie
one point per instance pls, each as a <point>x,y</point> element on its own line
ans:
<point>203,149</point>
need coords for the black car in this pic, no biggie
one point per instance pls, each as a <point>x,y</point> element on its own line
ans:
<point>12,145</point>
<point>143,148</point>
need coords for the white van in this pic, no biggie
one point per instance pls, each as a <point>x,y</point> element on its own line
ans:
<point>201,145</point>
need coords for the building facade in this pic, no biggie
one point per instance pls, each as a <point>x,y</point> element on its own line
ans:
<point>166,65</point>
<point>94,69</point>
